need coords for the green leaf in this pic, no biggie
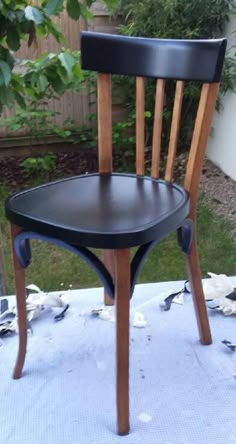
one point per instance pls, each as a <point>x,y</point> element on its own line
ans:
<point>13,38</point>
<point>53,7</point>
<point>88,2</point>
<point>110,2</point>
<point>20,100</point>
<point>77,71</point>
<point>43,82</point>
<point>148,114</point>
<point>73,9</point>
<point>7,56</point>
<point>67,61</point>
<point>15,126</point>
<point>17,82</point>
<point>34,14</point>
<point>62,74</point>
<point>6,96</point>
<point>5,73</point>
<point>85,12</point>
<point>58,85</point>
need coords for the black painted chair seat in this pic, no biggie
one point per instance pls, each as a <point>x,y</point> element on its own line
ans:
<point>101,210</point>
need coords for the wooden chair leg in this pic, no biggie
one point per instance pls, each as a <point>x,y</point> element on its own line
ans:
<point>21,306</point>
<point>194,273</point>
<point>122,296</point>
<point>109,261</point>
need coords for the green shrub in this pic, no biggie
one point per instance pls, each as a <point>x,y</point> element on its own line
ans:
<point>175,18</point>
<point>190,19</point>
<point>37,167</point>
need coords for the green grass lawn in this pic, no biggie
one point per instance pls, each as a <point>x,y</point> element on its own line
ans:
<point>52,266</point>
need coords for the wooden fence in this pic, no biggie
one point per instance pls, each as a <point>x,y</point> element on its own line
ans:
<point>72,105</point>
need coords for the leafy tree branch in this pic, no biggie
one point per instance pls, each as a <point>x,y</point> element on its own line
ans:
<point>20,21</point>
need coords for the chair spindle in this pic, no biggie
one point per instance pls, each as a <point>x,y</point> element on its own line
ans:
<point>157,127</point>
<point>140,125</point>
<point>175,123</point>
<point>104,123</point>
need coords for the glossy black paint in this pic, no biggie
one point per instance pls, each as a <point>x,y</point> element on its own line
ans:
<point>148,57</point>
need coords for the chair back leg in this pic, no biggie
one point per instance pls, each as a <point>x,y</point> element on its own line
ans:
<point>194,273</point>
<point>19,274</point>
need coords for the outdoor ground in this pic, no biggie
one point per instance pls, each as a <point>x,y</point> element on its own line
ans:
<point>181,392</point>
<point>220,190</point>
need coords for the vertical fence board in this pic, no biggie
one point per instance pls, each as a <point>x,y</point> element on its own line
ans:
<point>71,105</point>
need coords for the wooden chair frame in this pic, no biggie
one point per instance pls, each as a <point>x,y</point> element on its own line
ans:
<point>117,261</point>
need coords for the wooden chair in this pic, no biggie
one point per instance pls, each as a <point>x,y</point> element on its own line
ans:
<point>115,212</point>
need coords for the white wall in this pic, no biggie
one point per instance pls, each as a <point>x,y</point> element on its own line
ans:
<point>222,143</point>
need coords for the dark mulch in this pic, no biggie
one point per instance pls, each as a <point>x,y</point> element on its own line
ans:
<point>13,174</point>
<point>81,161</point>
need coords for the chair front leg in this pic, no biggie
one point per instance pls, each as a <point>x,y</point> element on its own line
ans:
<point>194,272</point>
<point>19,274</point>
<point>122,298</point>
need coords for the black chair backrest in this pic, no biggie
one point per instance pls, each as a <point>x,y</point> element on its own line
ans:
<point>148,57</point>
<point>179,60</point>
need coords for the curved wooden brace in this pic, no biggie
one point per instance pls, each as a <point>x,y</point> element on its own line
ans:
<point>137,263</point>
<point>23,252</point>
<point>22,249</point>
<point>184,236</point>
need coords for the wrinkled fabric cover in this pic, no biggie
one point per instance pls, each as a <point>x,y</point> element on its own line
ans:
<point>180,391</point>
